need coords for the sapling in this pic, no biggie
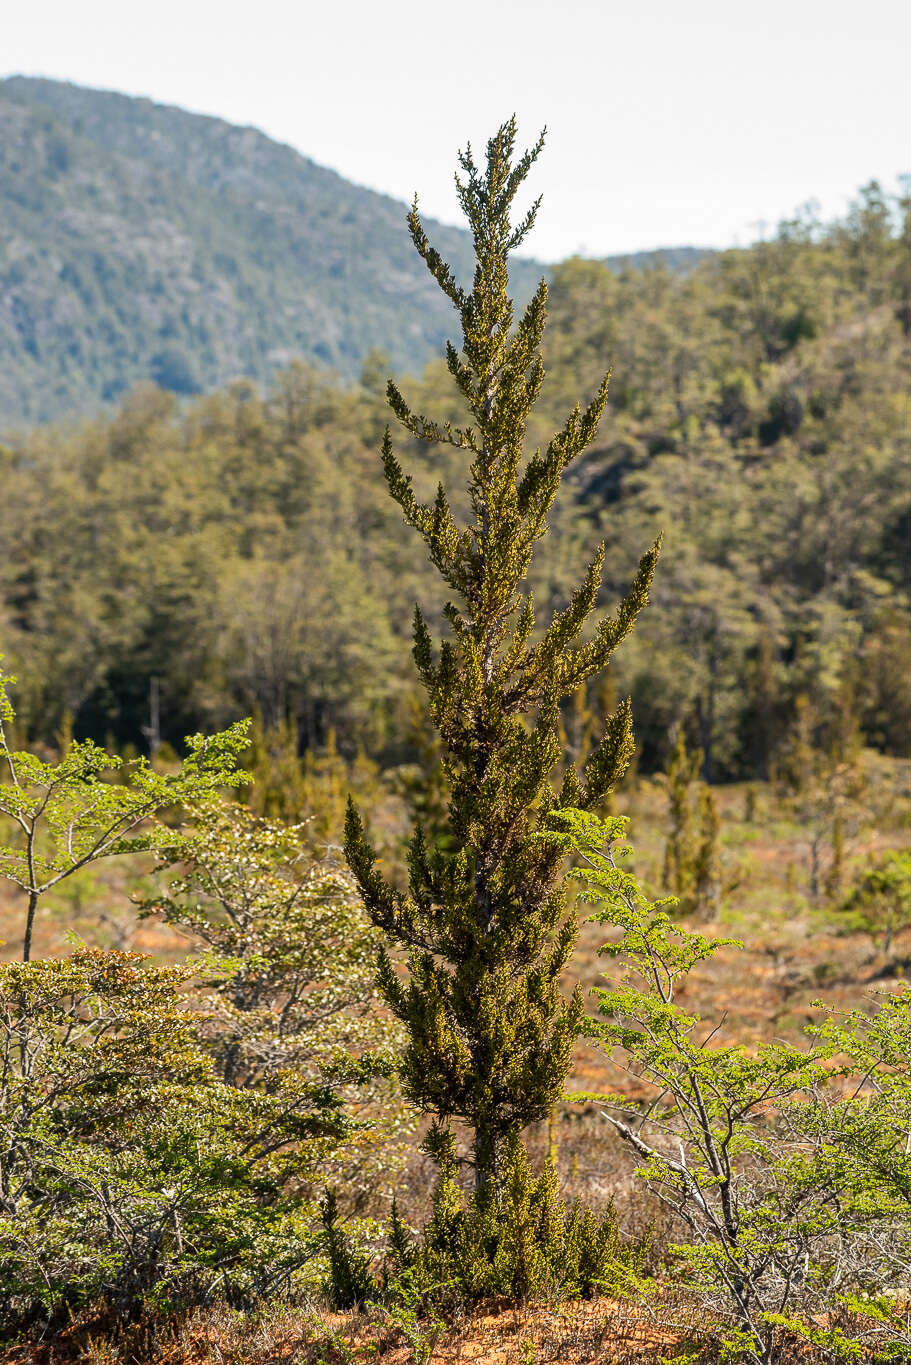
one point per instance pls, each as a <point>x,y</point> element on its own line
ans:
<point>705,1141</point>
<point>483,926</point>
<point>90,805</point>
<point>879,903</point>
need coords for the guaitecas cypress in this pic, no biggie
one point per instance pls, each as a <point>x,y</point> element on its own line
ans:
<point>484,924</point>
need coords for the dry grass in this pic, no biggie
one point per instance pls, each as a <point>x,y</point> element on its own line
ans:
<point>603,1331</point>
<point>600,1332</point>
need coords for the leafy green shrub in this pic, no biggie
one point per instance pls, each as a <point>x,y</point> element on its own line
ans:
<point>706,1143</point>
<point>131,1175</point>
<point>155,1154</point>
<point>879,903</point>
<point>287,986</point>
<point>519,1242</point>
<point>855,1141</point>
<point>791,1168</point>
<point>691,859</point>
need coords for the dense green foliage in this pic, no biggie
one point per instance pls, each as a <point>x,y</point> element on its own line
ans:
<point>131,1175</point>
<point>484,923</point>
<point>243,550</point>
<point>528,1247</point>
<point>165,1132</point>
<point>880,901</point>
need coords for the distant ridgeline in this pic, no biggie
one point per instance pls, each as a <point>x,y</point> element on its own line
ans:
<point>144,242</point>
<point>141,242</point>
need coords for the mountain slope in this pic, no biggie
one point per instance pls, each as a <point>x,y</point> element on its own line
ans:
<point>141,241</point>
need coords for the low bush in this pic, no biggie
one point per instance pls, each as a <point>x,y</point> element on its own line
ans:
<point>131,1176</point>
<point>520,1242</point>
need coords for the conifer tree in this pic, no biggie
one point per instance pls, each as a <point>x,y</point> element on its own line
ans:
<point>707,874</point>
<point>484,922</point>
<point>692,868</point>
<point>680,849</point>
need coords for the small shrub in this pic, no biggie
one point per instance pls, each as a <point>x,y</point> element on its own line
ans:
<point>132,1177</point>
<point>350,1283</point>
<point>879,904</point>
<point>523,1244</point>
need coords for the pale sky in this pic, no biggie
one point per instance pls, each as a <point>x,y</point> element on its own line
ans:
<point>687,123</point>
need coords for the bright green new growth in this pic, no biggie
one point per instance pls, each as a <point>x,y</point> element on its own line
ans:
<point>485,927</point>
<point>89,805</point>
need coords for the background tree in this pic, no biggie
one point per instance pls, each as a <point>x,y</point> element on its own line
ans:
<point>823,764</point>
<point>692,867</point>
<point>879,903</point>
<point>485,928</point>
<point>680,849</point>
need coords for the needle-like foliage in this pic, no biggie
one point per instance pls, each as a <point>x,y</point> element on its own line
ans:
<point>484,922</point>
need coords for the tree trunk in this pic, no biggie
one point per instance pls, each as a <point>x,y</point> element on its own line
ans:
<point>29,923</point>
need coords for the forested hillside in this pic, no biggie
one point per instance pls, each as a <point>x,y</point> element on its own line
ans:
<point>239,549</point>
<point>143,242</point>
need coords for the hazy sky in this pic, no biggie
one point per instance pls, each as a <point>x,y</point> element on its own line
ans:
<point>668,123</point>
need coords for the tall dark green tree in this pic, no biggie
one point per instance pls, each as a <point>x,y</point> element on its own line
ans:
<point>484,922</point>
